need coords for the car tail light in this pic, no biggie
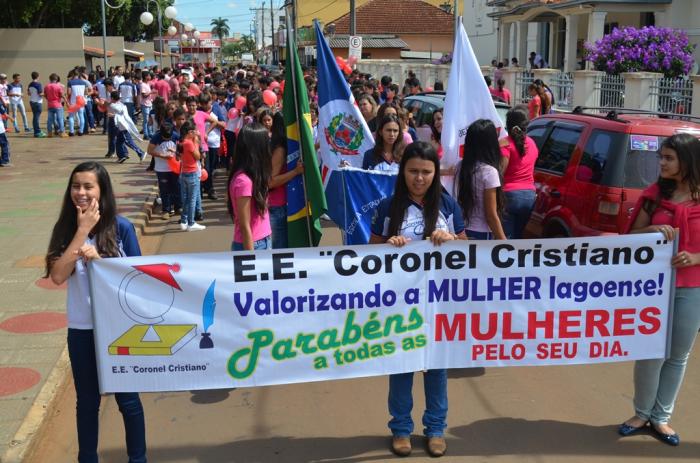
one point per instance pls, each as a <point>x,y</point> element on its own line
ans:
<point>608,208</point>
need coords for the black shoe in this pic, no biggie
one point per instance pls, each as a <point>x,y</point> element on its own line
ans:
<point>626,430</point>
<point>71,134</point>
<point>670,439</point>
<point>212,196</point>
<point>109,155</point>
<point>80,134</point>
<point>198,217</point>
<point>122,160</point>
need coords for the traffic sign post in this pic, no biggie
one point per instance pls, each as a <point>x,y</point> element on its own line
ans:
<point>355,48</point>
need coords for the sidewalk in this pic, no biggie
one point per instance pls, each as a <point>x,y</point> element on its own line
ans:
<point>32,310</point>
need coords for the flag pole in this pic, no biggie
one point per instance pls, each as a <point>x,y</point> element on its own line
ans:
<point>291,55</point>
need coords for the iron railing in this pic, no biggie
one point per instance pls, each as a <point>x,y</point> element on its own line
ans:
<point>612,91</point>
<point>522,82</point>
<point>673,95</point>
<point>562,86</point>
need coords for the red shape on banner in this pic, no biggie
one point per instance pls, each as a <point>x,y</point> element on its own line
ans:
<point>161,272</point>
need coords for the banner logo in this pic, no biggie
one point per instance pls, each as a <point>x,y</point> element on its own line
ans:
<point>344,135</point>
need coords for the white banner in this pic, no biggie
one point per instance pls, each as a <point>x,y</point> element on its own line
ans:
<point>207,321</point>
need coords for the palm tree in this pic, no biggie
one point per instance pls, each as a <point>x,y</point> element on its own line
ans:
<point>220,29</point>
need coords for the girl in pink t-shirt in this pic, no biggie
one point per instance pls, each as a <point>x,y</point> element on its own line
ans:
<point>248,185</point>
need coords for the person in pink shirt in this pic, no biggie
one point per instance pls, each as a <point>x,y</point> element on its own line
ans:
<point>206,121</point>
<point>55,97</point>
<point>518,158</point>
<point>502,92</point>
<point>162,87</point>
<point>671,207</point>
<point>248,186</point>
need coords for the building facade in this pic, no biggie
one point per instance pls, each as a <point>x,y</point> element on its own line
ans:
<point>557,29</point>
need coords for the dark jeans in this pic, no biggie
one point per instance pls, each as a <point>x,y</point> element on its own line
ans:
<point>4,149</point>
<point>212,162</point>
<point>131,109</point>
<point>278,224</point>
<point>90,113</point>
<point>519,204</point>
<point>81,350</point>
<point>111,135</point>
<point>169,187</point>
<point>36,114</point>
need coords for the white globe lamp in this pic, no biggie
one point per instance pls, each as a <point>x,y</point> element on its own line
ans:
<point>188,27</point>
<point>193,42</point>
<point>146,18</point>
<point>172,30</point>
<point>196,34</point>
<point>183,37</point>
<point>170,12</point>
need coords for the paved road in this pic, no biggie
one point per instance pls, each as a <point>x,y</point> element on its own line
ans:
<point>549,414</point>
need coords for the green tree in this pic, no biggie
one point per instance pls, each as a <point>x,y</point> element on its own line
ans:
<point>220,28</point>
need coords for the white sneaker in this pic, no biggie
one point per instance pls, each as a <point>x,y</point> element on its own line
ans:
<point>196,227</point>
<point>183,226</point>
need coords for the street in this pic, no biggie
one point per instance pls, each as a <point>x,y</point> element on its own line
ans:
<point>545,414</point>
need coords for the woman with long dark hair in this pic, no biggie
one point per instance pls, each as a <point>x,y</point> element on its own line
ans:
<point>671,206</point>
<point>518,159</point>
<point>436,131</point>
<point>419,209</point>
<point>88,228</point>
<point>478,186</point>
<point>248,187</point>
<point>388,147</point>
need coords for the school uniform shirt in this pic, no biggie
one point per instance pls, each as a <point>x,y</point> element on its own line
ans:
<point>35,90</point>
<point>15,92</point>
<point>117,80</point>
<point>372,162</point>
<point>127,92</point>
<point>78,293</point>
<point>3,93</point>
<point>101,89</point>
<point>413,224</point>
<point>54,95</point>
<point>77,88</point>
<point>164,147</point>
<point>146,95</point>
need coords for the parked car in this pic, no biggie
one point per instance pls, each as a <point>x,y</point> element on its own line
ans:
<point>592,168</point>
<point>423,104</point>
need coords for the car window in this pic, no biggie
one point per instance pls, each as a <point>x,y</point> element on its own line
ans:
<point>557,149</point>
<point>603,158</point>
<point>426,115</point>
<point>642,161</point>
<point>537,131</point>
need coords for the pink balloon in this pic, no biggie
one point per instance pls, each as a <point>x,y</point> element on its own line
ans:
<point>269,97</point>
<point>240,103</point>
<point>352,60</point>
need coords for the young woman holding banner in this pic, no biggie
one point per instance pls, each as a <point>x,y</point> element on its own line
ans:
<point>671,206</point>
<point>88,228</point>
<point>419,209</point>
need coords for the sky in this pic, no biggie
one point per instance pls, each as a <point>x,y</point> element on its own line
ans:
<point>201,12</point>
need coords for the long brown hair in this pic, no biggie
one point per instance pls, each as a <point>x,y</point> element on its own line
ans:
<point>105,232</point>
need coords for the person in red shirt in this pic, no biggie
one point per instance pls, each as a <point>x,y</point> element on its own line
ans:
<point>162,87</point>
<point>189,175</point>
<point>671,206</point>
<point>55,97</point>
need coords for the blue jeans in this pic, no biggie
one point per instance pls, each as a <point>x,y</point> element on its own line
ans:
<point>145,112</point>
<point>401,403</point>
<point>90,112</point>
<point>81,350</point>
<point>189,192</point>
<point>211,163</point>
<point>477,235</point>
<point>169,188</point>
<point>80,114</point>
<point>13,108</point>
<point>55,121</point>
<point>263,243</point>
<point>4,149</point>
<point>120,143</point>
<point>132,144</point>
<point>519,204</point>
<point>36,115</point>
<point>131,109</point>
<point>111,135</point>
<point>658,381</point>
<point>278,224</point>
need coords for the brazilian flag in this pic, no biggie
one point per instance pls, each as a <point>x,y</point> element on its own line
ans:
<point>306,199</point>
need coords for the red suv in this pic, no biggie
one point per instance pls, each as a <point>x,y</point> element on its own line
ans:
<point>592,167</point>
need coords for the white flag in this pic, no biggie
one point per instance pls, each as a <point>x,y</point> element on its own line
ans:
<point>468,99</point>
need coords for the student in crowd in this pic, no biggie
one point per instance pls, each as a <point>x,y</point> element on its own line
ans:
<point>536,106</point>
<point>146,97</point>
<point>123,127</point>
<point>518,157</point>
<point>190,172</point>
<point>248,186</point>
<point>419,209</point>
<point>436,131</point>
<point>14,93</point>
<point>388,148</point>
<point>55,97</point>
<point>89,228</point>
<point>164,152</point>
<point>368,109</point>
<point>279,177</point>
<point>4,143</point>
<point>478,182</point>
<point>35,91</point>
<point>671,206</point>
<point>265,116</point>
<point>77,89</point>
<point>502,92</point>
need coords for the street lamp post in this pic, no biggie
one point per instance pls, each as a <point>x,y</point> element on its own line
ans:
<point>146,19</point>
<point>104,28</point>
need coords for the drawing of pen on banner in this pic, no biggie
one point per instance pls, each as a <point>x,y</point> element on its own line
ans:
<point>208,308</point>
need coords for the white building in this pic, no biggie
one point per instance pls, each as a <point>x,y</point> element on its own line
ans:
<point>481,29</point>
<point>557,29</point>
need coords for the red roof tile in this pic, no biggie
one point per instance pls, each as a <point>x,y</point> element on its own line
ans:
<point>397,17</point>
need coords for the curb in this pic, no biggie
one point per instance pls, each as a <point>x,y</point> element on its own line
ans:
<point>33,424</point>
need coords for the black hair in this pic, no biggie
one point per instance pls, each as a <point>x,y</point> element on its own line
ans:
<point>488,81</point>
<point>278,132</point>
<point>166,130</point>
<point>398,146</point>
<point>114,94</point>
<point>203,99</point>
<point>436,134</point>
<point>516,125</point>
<point>401,199</point>
<point>438,86</point>
<point>480,146</point>
<point>252,156</point>
<point>35,75</point>
<point>687,148</point>
<point>104,232</point>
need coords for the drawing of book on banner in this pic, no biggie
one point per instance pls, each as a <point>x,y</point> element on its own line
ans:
<point>146,294</point>
<point>171,338</point>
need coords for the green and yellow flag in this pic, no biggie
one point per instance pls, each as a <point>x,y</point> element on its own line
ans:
<point>306,199</point>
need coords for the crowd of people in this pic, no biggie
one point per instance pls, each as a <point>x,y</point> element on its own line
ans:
<point>198,121</point>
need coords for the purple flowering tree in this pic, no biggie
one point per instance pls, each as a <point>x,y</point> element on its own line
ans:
<point>650,49</point>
